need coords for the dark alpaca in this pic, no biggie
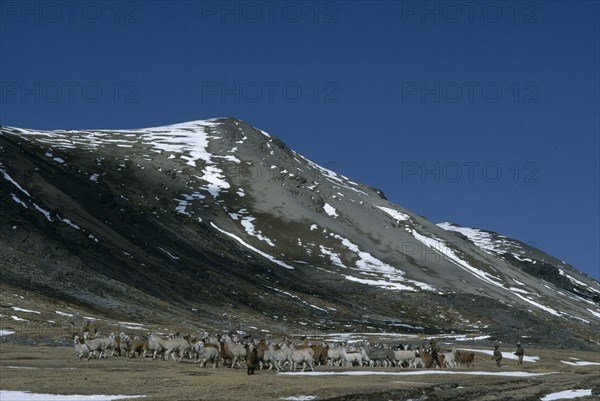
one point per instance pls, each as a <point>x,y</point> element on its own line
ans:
<point>252,361</point>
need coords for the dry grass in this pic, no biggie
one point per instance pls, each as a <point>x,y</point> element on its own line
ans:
<point>46,369</point>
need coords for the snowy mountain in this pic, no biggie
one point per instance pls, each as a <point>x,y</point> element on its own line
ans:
<point>221,223</point>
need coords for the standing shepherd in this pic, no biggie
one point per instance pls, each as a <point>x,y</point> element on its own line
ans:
<point>435,350</point>
<point>520,352</point>
<point>497,356</point>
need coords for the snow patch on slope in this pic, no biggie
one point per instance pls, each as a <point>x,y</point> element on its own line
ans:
<point>441,247</point>
<point>247,223</point>
<point>187,141</point>
<point>330,210</point>
<point>390,285</point>
<point>333,256</point>
<point>19,201</point>
<point>10,179</point>
<point>187,201</point>
<point>396,215</point>
<point>43,211</point>
<point>482,239</point>
<point>253,249</point>
<point>577,282</point>
<point>370,265</point>
<point>333,177</point>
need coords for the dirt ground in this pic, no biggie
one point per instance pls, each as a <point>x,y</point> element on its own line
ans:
<point>56,370</point>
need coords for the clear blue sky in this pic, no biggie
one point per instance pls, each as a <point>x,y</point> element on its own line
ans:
<point>481,113</point>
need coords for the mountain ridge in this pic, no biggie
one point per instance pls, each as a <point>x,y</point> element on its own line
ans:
<point>241,219</point>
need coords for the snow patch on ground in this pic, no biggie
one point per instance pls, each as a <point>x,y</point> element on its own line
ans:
<point>581,363</point>
<point>27,396</point>
<point>466,337</point>
<point>6,333</point>
<point>416,373</point>
<point>505,355</point>
<point>567,395</point>
<point>133,326</point>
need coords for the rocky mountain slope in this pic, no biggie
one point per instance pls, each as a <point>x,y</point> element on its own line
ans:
<point>216,222</point>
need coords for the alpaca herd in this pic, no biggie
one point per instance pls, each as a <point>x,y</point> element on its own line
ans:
<point>232,351</point>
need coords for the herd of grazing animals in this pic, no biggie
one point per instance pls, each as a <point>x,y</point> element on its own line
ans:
<point>261,354</point>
